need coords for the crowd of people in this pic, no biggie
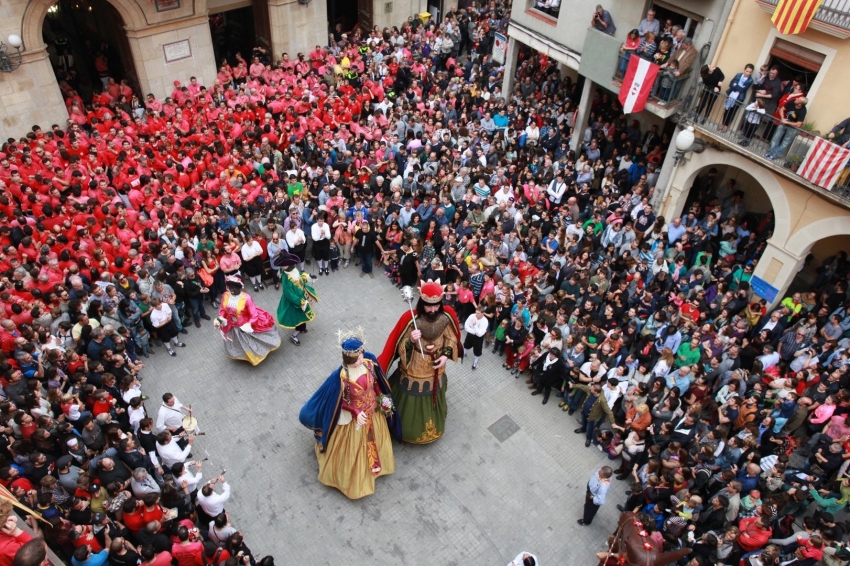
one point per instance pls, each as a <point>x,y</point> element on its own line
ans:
<point>397,150</point>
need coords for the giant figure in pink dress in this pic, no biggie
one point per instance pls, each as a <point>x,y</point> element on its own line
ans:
<point>249,332</point>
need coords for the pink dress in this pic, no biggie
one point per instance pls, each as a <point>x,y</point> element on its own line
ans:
<point>234,312</point>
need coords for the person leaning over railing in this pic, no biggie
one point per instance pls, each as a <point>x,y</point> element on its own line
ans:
<point>791,117</point>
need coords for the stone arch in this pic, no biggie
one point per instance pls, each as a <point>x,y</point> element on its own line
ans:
<point>809,235</point>
<point>699,162</point>
<point>33,21</point>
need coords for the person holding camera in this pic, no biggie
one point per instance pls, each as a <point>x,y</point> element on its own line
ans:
<point>602,20</point>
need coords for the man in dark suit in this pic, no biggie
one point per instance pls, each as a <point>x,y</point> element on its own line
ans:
<point>774,323</point>
<point>548,372</point>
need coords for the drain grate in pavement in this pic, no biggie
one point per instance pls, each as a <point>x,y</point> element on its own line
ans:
<point>504,428</point>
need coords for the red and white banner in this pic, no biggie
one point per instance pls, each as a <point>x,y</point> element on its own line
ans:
<point>824,162</point>
<point>637,84</point>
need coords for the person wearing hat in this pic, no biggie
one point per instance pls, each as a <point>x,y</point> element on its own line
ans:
<point>422,350</point>
<point>294,310</point>
<point>352,415</point>
<point>248,331</point>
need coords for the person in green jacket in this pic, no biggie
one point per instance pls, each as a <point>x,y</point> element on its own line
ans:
<point>688,354</point>
<point>294,310</point>
<point>593,409</point>
<point>829,502</point>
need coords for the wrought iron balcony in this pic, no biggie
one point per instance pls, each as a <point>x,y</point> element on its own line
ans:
<point>833,16</point>
<point>761,136</point>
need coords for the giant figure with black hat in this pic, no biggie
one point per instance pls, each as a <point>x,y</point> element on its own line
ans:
<point>419,382</point>
<point>294,310</point>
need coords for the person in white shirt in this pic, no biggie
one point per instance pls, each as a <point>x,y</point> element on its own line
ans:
<point>169,451</point>
<point>504,194</point>
<point>136,413</point>
<point>182,473</point>
<point>297,243</point>
<point>476,327</point>
<point>170,416</point>
<point>556,189</point>
<point>612,391</point>
<point>211,502</point>
<point>166,330</point>
<point>252,261</point>
<point>321,234</point>
<point>524,559</point>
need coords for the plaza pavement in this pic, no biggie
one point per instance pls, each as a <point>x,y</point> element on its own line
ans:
<point>467,499</point>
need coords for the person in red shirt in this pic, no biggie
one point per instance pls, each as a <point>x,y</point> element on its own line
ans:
<point>187,552</point>
<point>151,558</point>
<point>12,537</point>
<point>132,515</point>
<point>152,510</point>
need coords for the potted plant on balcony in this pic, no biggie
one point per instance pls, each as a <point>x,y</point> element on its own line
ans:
<point>793,161</point>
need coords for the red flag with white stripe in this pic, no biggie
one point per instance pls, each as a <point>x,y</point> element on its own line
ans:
<point>637,84</point>
<point>824,162</point>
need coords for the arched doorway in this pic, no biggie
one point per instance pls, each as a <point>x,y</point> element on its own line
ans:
<point>760,194</point>
<point>75,21</point>
<point>816,269</point>
<point>737,193</point>
<point>85,39</point>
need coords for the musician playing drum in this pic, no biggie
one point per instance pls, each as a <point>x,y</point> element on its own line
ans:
<point>170,417</point>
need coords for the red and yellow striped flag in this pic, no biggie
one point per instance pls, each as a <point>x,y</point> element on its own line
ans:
<point>793,16</point>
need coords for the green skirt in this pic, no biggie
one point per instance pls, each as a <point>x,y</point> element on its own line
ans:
<point>422,420</point>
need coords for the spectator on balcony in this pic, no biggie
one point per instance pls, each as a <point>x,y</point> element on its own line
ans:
<point>769,91</point>
<point>752,119</point>
<point>789,91</point>
<point>737,94</point>
<point>712,79</point>
<point>630,46</point>
<point>603,21</point>
<point>686,54</point>
<point>840,134</point>
<point>791,116</point>
<point>668,82</point>
<point>667,30</point>
<point>649,23</point>
<point>647,47</point>
<point>663,54</point>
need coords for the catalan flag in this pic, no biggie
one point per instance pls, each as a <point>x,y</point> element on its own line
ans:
<point>793,16</point>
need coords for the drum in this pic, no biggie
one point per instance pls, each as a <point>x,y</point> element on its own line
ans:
<point>190,424</point>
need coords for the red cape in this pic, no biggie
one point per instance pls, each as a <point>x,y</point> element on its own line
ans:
<point>388,355</point>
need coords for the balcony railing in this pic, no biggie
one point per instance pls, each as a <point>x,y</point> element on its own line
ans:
<point>666,91</point>
<point>832,17</point>
<point>760,135</point>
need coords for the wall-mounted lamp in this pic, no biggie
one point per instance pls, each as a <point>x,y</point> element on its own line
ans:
<point>10,61</point>
<point>687,142</point>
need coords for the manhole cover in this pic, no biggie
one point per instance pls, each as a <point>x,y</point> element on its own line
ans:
<point>504,428</point>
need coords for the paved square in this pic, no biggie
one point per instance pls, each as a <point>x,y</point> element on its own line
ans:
<point>508,475</point>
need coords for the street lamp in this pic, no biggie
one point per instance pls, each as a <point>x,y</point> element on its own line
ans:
<point>10,61</point>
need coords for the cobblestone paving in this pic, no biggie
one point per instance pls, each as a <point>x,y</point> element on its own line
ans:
<point>466,499</point>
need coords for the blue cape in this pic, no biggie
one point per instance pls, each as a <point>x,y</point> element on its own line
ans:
<point>321,412</point>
